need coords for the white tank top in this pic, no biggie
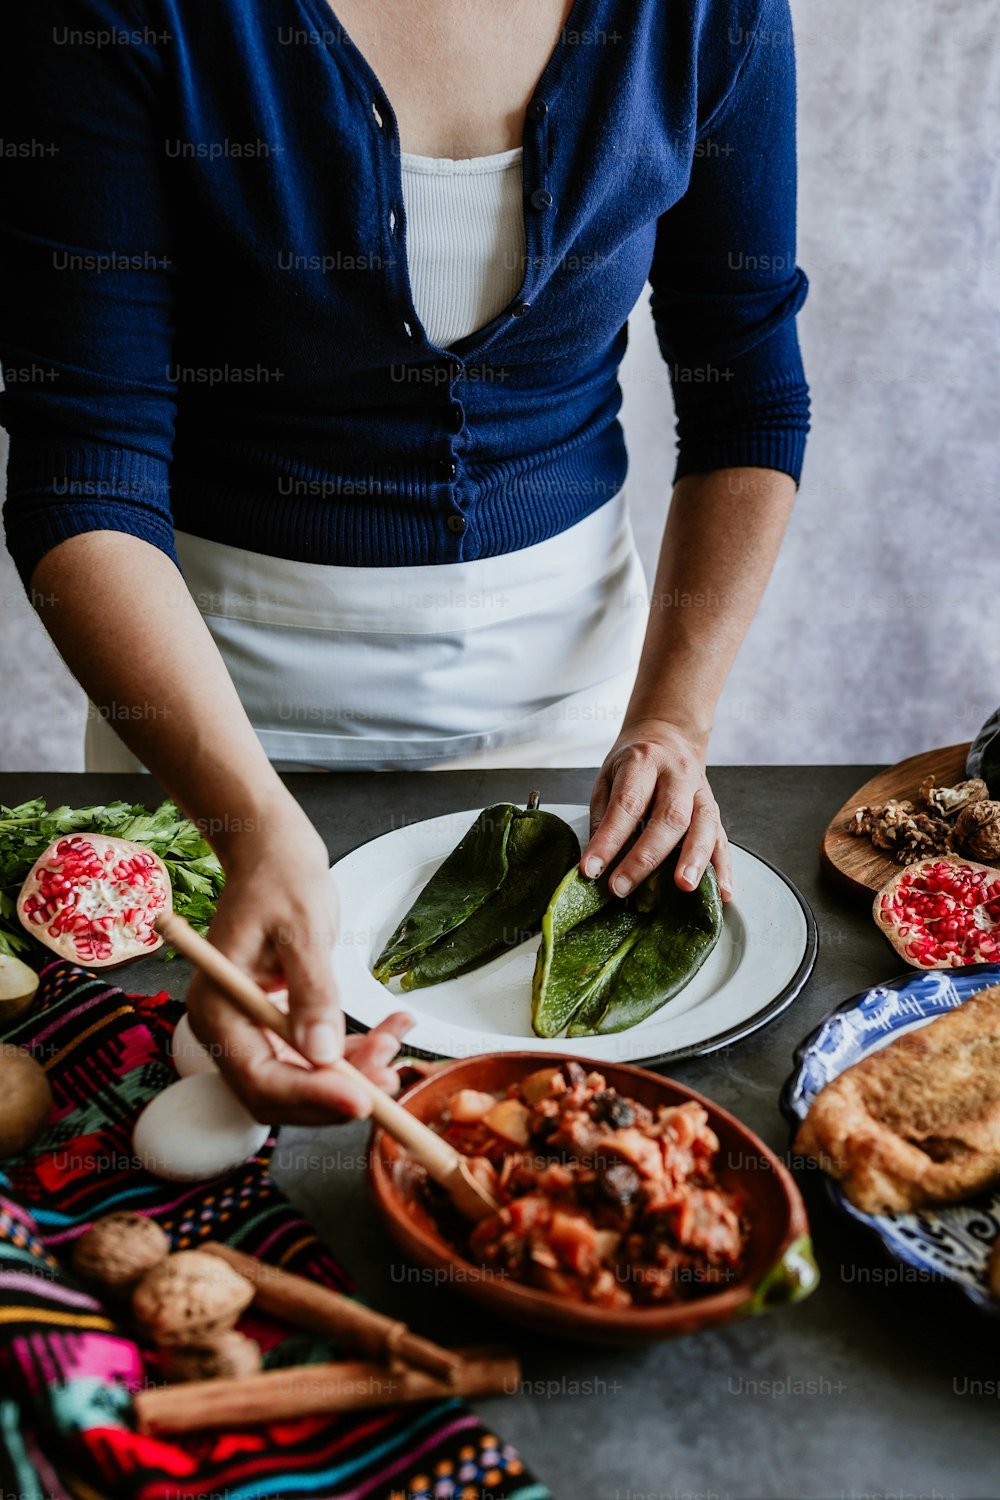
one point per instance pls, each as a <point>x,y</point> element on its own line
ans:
<point>465,242</point>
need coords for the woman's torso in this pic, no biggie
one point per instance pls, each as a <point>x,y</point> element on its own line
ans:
<point>354,438</point>
<point>272,384</point>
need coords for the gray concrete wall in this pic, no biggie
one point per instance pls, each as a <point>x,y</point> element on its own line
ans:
<point>877,636</point>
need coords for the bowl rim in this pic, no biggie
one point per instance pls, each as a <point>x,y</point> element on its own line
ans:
<point>732,1300</point>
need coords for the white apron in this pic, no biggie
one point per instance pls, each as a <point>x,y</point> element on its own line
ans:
<point>525,659</point>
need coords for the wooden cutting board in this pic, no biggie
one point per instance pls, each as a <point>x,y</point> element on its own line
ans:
<point>854,863</point>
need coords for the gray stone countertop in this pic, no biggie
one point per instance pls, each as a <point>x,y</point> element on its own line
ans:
<point>873,1387</point>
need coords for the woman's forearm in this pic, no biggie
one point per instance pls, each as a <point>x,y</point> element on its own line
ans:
<point>129,630</point>
<point>122,618</point>
<point>719,545</point>
<point>721,539</point>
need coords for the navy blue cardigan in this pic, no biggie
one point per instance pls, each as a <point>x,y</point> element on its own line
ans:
<point>205,315</point>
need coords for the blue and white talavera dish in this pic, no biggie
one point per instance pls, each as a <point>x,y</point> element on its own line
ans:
<point>950,1243</point>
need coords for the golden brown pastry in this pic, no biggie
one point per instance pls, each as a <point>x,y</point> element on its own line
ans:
<point>917,1122</point>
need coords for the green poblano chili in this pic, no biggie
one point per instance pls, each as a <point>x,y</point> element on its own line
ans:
<point>606,963</point>
<point>473,871</point>
<point>540,847</point>
<point>583,930</point>
<point>984,755</point>
<point>487,896</point>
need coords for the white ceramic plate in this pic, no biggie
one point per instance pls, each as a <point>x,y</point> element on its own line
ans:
<point>762,960</point>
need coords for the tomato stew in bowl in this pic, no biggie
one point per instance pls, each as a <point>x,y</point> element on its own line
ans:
<point>633,1209</point>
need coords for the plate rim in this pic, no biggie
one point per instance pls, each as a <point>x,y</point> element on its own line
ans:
<point>772,1008</point>
<point>868,1224</point>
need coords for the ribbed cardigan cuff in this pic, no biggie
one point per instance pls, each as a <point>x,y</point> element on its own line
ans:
<point>54,493</point>
<point>763,426</point>
<point>751,409</point>
<point>781,448</point>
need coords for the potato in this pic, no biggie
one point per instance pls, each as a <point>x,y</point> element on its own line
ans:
<point>18,984</point>
<point>509,1120</point>
<point>538,1086</point>
<point>27,1100</point>
<point>469,1106</point>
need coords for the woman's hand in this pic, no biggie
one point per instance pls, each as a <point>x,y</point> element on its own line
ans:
<point>655,771</point>
<point>276,919</point>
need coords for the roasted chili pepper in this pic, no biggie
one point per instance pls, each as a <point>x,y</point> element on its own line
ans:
<point>583,931</point>
<point>489,895</point>
<point>540,847</point>
<point>606,963</point>
<point>473,870</point>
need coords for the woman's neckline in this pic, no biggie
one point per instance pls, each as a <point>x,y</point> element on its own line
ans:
<point>547,86</point>
<point>495,161</point>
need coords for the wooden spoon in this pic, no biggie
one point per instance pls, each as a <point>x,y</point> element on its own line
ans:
<point>440,1160</point>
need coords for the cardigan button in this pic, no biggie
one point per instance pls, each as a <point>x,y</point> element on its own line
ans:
<point>446,468</point>
<point>537,109</point>
<point>519,309</point>
<point>541,198</point>
<point>456,524</point>
<point>456,418</point>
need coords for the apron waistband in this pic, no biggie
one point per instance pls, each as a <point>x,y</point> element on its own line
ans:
<point>233,584</point>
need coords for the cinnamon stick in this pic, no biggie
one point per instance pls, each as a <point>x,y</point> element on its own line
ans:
<point>313,1390</point>
<point>323,1310</point>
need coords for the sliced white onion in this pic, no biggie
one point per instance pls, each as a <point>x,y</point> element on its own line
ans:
<point>196,1129</point>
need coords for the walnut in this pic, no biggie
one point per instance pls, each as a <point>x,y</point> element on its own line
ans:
<point>864,820</point>
<point>118,1249</point>
<point>861,820</point>
<point>948,800</point>
<point>190,1297</point>
<point>923,835</point>
<point>901,831</point>
<point>889,821</point>
<point>227,1356</point>
<point>977,830</point>
<point>993,1269</point>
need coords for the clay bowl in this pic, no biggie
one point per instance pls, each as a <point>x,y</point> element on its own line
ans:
<point>779,1264</point>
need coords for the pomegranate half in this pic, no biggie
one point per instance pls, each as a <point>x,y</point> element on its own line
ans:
<point>93,899</point>
<point>942,913</point>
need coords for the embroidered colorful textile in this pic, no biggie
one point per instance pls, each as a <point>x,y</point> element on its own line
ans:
<point>66,1367</point>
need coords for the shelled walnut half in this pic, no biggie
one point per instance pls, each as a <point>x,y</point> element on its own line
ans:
<point>946,801</point>
<point>901,831</point>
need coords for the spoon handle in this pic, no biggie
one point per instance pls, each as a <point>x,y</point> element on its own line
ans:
<point>440,1159</point>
